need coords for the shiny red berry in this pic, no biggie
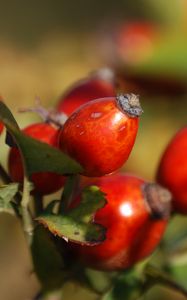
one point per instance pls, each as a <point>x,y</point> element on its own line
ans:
<point>135,218</point>
<point>96,86</point>
<point>100,134</point>
<point>172,170</point>
<point>44,182</point>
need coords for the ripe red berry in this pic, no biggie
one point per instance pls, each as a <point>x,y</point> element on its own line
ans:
<point>44,182</point>
<point>100,134</point>
<point>135,218</point>
<point>96,86</point>
<point>135,41</point>
<point>1,124</point>
<point>172,170</point>
<point>1,127</point>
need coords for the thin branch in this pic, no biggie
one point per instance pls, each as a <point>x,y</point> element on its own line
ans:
<point>155,276</point>
<point>38,204</point>
<point>27,219</point>
<point>4,176</point>
<point>50,116</point>
<point>69,191</point>
<point>39,296</point>
<point>55,295</point>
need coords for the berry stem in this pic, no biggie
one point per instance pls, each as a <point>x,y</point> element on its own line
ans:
<point>56,295</point>
<point>26,217</point>
<point>4,176</point>
<point>68,192</point>
<point>48,116</point>
<point>106,74</point>
<point>155,276</point>
<point>38,204</point>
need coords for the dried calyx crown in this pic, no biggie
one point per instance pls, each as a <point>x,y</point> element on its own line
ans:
<point>158,200</point>
<point>129,104</point>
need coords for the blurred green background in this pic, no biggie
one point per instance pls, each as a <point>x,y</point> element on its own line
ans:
<point>45,46</point>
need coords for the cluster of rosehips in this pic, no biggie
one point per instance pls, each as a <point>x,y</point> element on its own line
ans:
<point>99,133</point>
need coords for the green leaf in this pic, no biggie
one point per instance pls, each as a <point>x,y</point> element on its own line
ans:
<point>6,115</point>
<point>37,156</point>
<point>48,263</point>
<point>7,192</point>
<point>177,258</point>
<point>76,225</point>
<point>92,199</point>
<point>168,59</point>
<point>179,273</point>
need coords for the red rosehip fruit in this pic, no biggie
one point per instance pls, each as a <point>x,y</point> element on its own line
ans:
<point>172,170</point>
<point>1,124</point>
<point>101,133</point>
<point>99,85</point>
<point>44,182</point>
<point>135,218</point>
<point>1,127</point>
<point>135,41</point>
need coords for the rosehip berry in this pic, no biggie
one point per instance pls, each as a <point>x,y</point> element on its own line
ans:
<point>1,124</point>
<point>135,41</point>
<point>44,182</point>
<point>96,86</point>
<point>101,133</point>
<point>172,170</point>
<point>1,127</point>
<point>135,218</point>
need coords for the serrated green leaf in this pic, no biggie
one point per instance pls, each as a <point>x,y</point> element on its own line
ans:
<point>38,156</point>
<point>70,229</point>
<point>7,192</point>
<point>76,224</point>
<point>48,263</point>
<point>92,199</point>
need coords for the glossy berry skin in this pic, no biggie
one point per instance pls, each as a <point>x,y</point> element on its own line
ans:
<point>131,233</point>
<point>44,182</point>
<point>100,135</point>
<point>172,170</point>
<point>88,89</point>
